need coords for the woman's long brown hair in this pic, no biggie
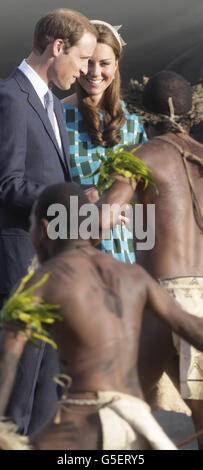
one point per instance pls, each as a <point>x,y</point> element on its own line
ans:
<point>105,132</point>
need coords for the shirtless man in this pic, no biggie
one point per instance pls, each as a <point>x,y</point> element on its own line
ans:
<point>102,301</point>
<point>177,257</point>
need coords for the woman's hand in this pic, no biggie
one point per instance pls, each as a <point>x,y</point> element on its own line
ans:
<point>92,194</point>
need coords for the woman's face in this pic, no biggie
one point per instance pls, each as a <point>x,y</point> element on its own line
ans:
<point>101,70</point>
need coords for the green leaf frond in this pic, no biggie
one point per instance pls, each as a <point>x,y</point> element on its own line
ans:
<point>24,309</point>
<point>122,162</point>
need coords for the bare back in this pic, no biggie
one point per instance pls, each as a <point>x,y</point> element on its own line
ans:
<point>178,248</point>
<point>98,339</point>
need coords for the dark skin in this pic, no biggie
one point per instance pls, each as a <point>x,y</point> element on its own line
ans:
<point>98,294</point>
<point>12,344</point>
<point>181,235</point>
<point>178,250</point>
<point>119,293</point>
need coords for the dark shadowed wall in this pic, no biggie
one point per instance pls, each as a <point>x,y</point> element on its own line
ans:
<point>160,33</point>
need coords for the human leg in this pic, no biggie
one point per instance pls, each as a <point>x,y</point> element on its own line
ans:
<point>188,292</point>
<point>76,431</point>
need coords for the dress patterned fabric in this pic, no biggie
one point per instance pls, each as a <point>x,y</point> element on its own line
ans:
<point>84,159</point>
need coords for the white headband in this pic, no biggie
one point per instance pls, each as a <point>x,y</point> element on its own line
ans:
<point>114,30</point>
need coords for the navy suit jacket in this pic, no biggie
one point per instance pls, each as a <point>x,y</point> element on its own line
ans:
<point>30,160</point>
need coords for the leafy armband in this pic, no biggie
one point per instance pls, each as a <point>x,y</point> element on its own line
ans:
<point>23,309</point>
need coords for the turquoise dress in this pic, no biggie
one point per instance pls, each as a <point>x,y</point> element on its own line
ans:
<point>84,160</point>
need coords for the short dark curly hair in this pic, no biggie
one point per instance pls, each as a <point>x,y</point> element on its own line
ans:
<point>61,194</point>
<point>161,87</point>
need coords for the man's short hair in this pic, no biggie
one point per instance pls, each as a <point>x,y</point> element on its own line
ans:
<point>62,23</point>
<point>161,87</point>
<point>60,193</point>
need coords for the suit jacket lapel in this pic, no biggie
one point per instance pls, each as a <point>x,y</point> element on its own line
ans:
<point>63,132</point>
<point>35,102</point>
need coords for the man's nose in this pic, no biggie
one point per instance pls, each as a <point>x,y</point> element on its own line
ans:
<point>84,68</point>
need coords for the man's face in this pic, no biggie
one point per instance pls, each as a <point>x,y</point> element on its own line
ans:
<point>67,67</point>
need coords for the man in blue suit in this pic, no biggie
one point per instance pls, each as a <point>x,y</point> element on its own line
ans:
<point>34,154</point>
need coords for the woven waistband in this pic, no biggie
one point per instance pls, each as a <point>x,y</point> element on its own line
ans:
<point>191,282</point>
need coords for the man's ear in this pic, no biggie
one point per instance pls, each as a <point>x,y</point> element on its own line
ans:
<point>57,47</point>
<point>43,228</point>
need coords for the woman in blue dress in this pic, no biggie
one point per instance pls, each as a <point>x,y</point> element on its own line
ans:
<point>97,119</point>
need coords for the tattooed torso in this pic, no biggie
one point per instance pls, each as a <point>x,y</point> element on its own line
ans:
<point>98,339</point>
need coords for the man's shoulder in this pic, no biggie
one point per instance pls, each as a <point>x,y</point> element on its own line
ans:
<point>164,139</point>
<point>106,263</point>
<point>183,143</point>
<point>148,151</point>
<point>7,83</point>
<point>160,145</point>
<point>11,97</point>
<point>159,157</point>
<point>17,82</point>
<point>10,85</point>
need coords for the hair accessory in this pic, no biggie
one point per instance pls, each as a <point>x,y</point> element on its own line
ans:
<point>114,30</point>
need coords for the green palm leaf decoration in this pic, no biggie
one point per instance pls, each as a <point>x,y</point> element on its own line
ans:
<point>123,163</point>
<point>23,309</point>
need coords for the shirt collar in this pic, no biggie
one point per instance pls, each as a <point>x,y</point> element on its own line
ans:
<point>38,83</point>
